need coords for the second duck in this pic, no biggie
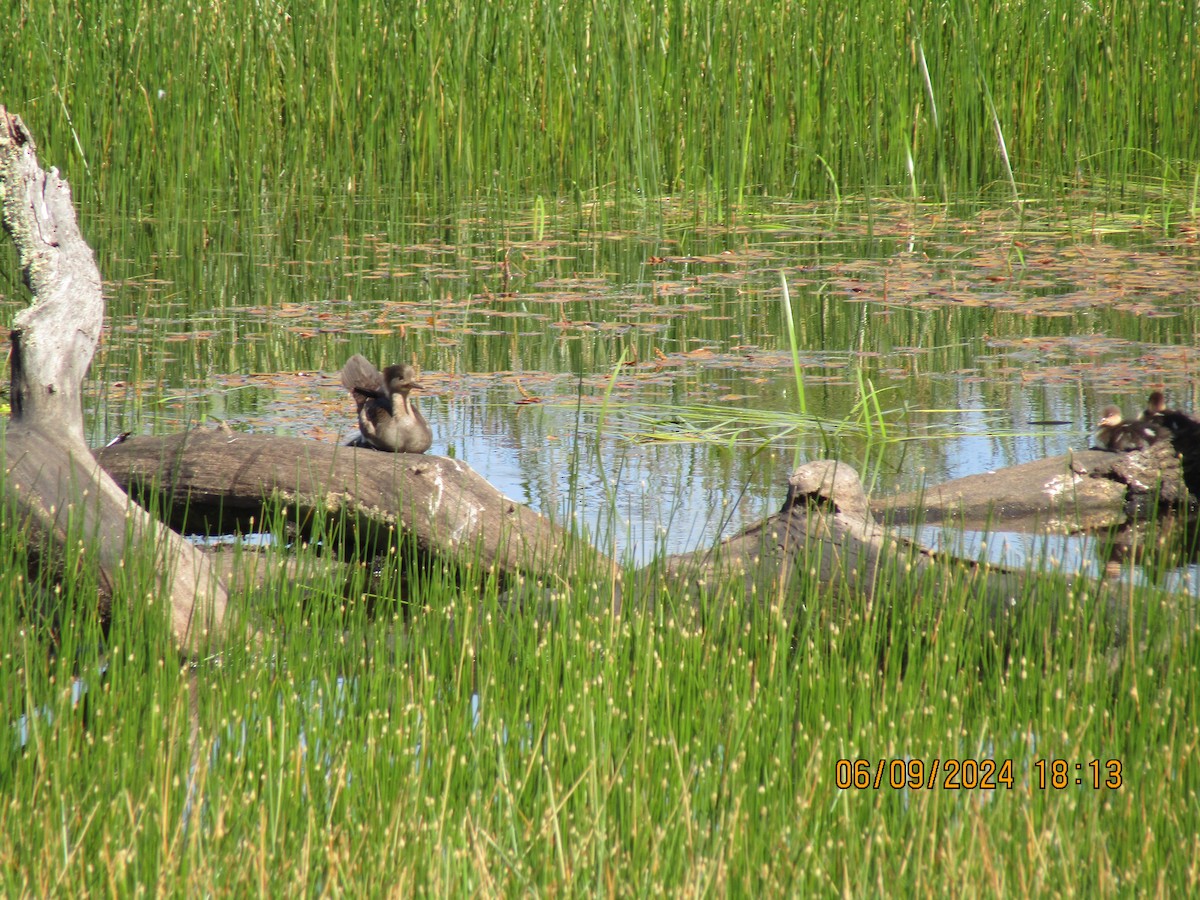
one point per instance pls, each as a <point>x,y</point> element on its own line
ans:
<point>1115,433</point>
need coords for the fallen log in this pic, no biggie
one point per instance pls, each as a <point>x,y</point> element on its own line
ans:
<point>826,535</point>
<point>220,480</point>
<point>1085,491</point>
<point>823,543</point>
<point>50,476</point>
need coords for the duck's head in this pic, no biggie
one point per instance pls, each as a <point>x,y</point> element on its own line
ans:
<point>1110,416</point>
<point>401,379</point>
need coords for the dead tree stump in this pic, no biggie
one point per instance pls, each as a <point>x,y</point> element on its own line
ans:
<point>51,479</point>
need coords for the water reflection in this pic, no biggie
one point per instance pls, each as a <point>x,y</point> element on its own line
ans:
<point>927,332</point>
<point>1098,556</point>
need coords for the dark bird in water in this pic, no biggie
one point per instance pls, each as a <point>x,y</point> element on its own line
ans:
<point>388,418</point>
<point>1117,434</point>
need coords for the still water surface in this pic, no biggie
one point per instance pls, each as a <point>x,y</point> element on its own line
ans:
<point>638,376</point>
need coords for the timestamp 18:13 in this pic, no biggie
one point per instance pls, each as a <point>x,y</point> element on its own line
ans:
<point>1060,773</point>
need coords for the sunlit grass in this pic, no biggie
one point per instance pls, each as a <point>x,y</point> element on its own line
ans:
<point>256,182</point>
<point>456,746</point>
<point>734,425</point>
<point>448,101</point>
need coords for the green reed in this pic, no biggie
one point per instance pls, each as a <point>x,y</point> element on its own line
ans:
<point>213,145</point>
<point>441,102</point>
<point>454,745</point>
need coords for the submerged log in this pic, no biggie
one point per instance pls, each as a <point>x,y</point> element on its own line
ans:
<point>220,480</point>
<point>52,483</point>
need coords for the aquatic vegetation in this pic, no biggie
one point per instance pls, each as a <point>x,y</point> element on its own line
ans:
<point>453,744</point>
<point>646,256</point>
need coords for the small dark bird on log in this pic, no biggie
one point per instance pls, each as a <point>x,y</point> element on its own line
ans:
<point>1184,430</point>
<point>1117,434</point>
<point>388,418</point>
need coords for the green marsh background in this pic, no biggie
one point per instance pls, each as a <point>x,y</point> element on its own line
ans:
<point>989,217</point>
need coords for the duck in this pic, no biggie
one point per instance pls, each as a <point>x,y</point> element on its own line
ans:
<point>1117,434</point>
<point>1156,407</point>
<point>1180,426</point>
<point>388,418</point>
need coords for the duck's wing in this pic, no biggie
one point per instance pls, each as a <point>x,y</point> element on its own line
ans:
<point>1132,439</point>
<point>362,379</point>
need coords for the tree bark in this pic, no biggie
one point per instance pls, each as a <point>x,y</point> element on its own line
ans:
<point>221,480</point>
<point>50,474</point>
<point>1085,491</point>
<point>825,534</point>
<point>825,544</point>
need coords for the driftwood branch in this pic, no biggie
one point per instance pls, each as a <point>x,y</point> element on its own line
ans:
<point>824,539</point>
<point>824,543</point>
<point>825,533</point>
<point>53,339</point>
<point>1085,491</point>
<point>52,481</point>
<point>449,509</point>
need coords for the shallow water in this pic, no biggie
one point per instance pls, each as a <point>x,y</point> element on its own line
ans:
<point>645,372</point>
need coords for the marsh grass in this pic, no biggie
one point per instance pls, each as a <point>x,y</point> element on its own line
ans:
<point>246,156</point>
<point>167,114</point>
<point>459,747</point>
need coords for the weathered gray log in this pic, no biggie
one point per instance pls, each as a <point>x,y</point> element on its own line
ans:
<point>825,531</point>
<point>50,473</point>
<point>221,479</point>
<point>1089,490</point>
<point>448,508</point>
<point>1152,477</point>
<point>825,543</point>
<point>825,535</point>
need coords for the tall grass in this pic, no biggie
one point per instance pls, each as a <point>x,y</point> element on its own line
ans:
<point>474,750</point>
<point>258,104</point>
<point>455,745</point>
